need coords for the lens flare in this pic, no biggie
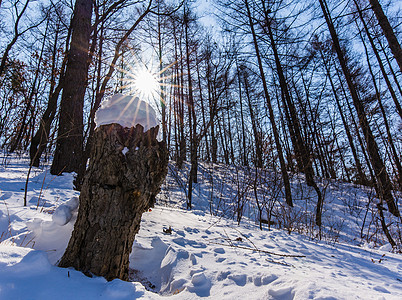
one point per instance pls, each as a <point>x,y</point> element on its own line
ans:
<point>146,83</point>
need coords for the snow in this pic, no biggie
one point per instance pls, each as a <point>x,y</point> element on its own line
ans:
<point>124,151</point>
<point>204,256</point>
<point>134,112</point>
<point>62,215</point>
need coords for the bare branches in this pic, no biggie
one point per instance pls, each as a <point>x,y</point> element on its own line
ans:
<point>17,33</point>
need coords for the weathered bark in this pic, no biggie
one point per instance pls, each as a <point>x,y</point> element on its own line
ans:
<point>118,187</point>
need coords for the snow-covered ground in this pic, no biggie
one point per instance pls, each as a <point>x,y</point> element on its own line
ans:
<point>204,255</point>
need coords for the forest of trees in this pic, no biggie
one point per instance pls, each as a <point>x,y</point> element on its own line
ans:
<point>310,87</point>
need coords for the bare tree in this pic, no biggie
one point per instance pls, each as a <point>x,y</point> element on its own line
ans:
<point>384,185</point>
<point>388,31</point>
<point>285,177</point>
<point>17,31</point>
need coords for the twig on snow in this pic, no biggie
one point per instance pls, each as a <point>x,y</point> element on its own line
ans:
<point>258,250</point>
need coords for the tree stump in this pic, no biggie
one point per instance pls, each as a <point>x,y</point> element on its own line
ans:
<point>126,169</point>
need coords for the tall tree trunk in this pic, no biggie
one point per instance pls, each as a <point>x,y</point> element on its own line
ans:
<point>256,133</point>
<point>22,130</point>
<point>182,140</point>
<point>229,135</point>
<point>362,179</point>
<point>390,140</point>
<point>380,64</point>
<point>243,131</point>
<point>384,186</point>
<point>301,149</point>
<point>40,139</point>
<point>69,146</point>
<point>212,101</point>
<point>202,108</point>
<point>356,130</point>
<point>192,117</point>
<point>389,65</point>
<point>285,176</point>
<point>161,83</point>
<point>388,31</point>
<point>224,143</point>
<point>310,128</point>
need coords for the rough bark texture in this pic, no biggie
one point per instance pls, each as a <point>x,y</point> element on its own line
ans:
<point>68,156</point>
<point>118,187</point>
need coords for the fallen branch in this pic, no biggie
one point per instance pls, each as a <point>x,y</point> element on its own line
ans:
<point>258,250</point>
<point>279,263</point>
<point>255,247</point>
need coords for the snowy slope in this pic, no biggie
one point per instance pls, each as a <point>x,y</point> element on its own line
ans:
<point>349,211</point>
<point>203,256</point>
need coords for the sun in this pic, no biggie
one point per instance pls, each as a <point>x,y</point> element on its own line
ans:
<point>146,83</point>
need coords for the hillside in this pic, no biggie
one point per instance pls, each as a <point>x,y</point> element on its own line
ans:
<point>207,253</point>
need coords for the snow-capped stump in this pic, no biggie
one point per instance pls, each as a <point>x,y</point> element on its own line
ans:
<point>126,169</point>
<point>128,111</point>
